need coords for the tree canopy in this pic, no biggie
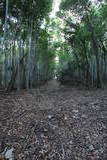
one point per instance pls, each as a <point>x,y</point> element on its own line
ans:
<point>24,42</point>
<point>35,46</point>
<point>85,32</point>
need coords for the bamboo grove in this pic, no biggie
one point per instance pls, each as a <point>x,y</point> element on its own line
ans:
<point>24,53</point>
<point>86,36</point>
<point>30,41</point>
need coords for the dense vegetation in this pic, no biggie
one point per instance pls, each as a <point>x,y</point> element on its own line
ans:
<point>86,33</point>
<point>25,57</point>
<point>31,42</point>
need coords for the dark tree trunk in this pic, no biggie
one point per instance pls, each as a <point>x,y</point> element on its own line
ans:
<point>96,52</point>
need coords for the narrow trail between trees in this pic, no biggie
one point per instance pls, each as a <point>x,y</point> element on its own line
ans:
<point>54,123</point>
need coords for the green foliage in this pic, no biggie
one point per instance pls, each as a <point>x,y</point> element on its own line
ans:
<point>85,32</point>
<point>78,5</point>
<point>24,43</point>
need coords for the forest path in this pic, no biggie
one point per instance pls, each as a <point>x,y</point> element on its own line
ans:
<point>54,122</point>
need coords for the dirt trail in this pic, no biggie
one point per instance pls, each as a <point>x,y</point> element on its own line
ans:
<point>54,123</point>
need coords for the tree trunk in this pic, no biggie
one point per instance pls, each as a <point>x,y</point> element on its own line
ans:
<point>5,45</point>
<point>29,57</point>
<point>96,52</point>
<point>13,77</point>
